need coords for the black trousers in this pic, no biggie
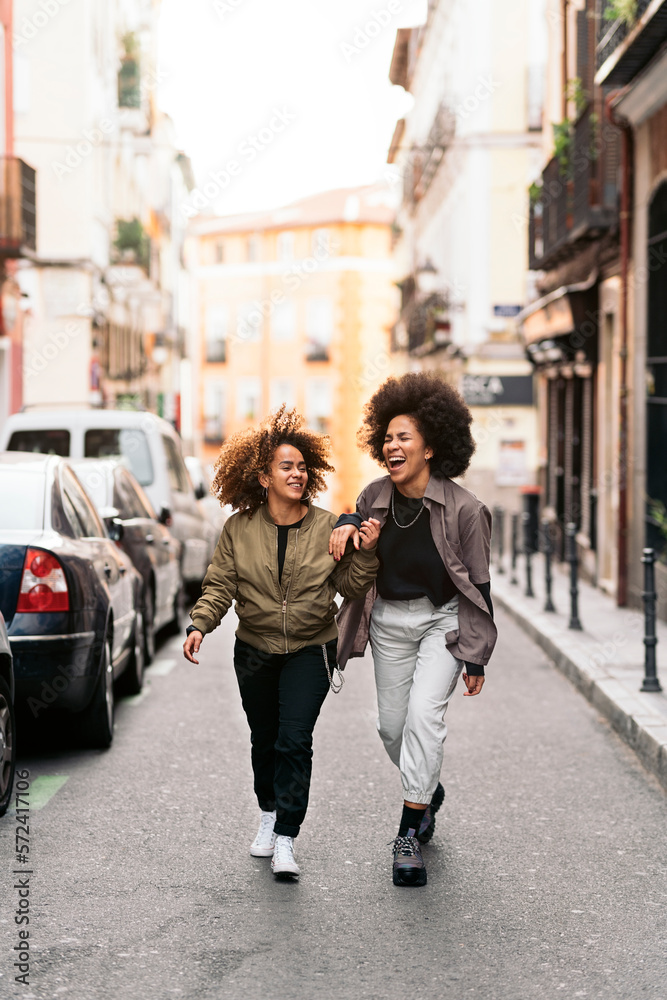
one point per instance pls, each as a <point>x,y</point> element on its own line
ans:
<point>282,694</point>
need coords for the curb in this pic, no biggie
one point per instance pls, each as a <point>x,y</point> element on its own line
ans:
<point>633,716</point>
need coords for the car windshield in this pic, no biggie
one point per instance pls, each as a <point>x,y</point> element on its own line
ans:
<point>29,486</point>
<point>47,442</point>
<point>103,442</point>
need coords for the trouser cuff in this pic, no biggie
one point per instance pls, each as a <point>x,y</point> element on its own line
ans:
<point>286,830</point>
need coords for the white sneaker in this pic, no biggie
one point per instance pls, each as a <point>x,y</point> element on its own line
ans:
<point>262,845</point>
<point>282,862</point>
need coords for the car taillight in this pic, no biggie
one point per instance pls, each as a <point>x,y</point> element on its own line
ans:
<point>43,584</point>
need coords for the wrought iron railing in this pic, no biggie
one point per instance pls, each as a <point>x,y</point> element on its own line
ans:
<point>18,218</point>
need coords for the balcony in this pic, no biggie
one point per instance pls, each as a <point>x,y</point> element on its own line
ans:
<point>578,200</point>
<point>18,219</point>
<point>623,49</point>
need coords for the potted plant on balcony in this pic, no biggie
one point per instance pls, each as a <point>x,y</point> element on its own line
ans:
<point>129,78</point>
<point>131,245</point>
<point>624,11</point>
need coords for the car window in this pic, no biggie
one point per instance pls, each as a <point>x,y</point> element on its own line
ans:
<point>46,442</point>
<point>103,442</point>
<point>85,512</point>
<point>178,474</point>
<point>26,487</point>
<point>126,498</point>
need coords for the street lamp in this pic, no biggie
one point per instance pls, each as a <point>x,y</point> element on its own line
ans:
<point>427,277</point>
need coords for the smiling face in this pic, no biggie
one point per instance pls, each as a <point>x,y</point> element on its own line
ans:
<point>407,456</point>
<point>287,477</point>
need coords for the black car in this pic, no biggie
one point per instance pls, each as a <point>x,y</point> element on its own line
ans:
<point>71,599</point>
<point>132,523</point>
<point>7,724</point>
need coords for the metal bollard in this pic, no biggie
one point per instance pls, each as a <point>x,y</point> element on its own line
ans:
<point>548,552</point>
<point>500,516</point>
<point>571,533</point>
<point>515,547</point>
<point>650,682</point>
<point>528,550</point>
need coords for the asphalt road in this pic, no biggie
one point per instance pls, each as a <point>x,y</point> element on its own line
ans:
<point>546,873</point>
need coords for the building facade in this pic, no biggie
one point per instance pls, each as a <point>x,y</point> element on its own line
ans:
<point>295,306</point>
<point>463,154</point>
<point>103,317</point>
<point>596,246</point>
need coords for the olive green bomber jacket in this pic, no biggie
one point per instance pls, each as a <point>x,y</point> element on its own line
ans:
<point>281,616</point>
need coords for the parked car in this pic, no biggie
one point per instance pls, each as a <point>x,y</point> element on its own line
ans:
<point>71,599</point>
<point>132,523</point>
<point>151,446</point>
<point>7,722</point>
<point>213,512</point>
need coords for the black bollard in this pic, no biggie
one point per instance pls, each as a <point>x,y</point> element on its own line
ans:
<point>500,516</point>
<point>515,547</point>
<point>571,533</point>
<point>528,550</point>
<point>548,552</point>
<point>650,682</point>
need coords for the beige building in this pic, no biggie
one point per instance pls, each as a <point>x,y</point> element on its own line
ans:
<point>463,154</point>
<point>295,306</point>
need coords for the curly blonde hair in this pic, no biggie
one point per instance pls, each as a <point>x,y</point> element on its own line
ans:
<point>247,454</point>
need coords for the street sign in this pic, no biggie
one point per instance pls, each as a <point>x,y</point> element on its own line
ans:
<point>498,390</point>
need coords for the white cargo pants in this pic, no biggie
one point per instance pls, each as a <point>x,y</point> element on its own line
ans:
<point>415,675</point>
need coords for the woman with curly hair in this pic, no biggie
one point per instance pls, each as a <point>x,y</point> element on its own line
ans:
<point>430,612</point>
<point>272,560</point>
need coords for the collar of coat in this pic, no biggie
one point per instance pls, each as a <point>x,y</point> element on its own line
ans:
<point>435,491</point>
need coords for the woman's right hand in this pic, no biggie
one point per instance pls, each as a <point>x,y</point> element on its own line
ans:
<point>339,538</point>
<point>191,646</point>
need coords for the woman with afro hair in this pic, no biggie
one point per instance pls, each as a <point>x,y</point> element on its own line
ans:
<point>429,618</point>
<point>272,560</point>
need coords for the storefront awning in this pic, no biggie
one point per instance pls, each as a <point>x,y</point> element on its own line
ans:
<point>561,312</point>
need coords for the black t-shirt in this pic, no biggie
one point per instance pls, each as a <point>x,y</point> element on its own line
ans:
<point>283,531</point>
<point>410,564</point>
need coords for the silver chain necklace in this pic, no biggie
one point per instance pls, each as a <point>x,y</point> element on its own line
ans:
<point>393,513</point>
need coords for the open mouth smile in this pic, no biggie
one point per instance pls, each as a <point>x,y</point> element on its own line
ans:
<point>395,462</point>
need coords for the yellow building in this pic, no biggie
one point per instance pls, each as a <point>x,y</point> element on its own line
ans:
<point>295,306</point>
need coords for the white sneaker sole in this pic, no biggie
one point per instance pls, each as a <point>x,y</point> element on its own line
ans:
<point>261,852</point>
<point>286,871</point>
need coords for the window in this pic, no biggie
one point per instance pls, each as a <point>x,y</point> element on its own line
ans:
<point>283,320</point>
<point>286,246</point>
<point>321,246</point>
<point>248,398</point>
<point>214,413</point>
<point>319,328</point>
<point>89,523</point>
<point>253,248</point>
<point>178,474</point>
<point>217,322</point>
<point>45,442</point>
<point>131,442</point>
<point>219,252</point>
<point>127,498</point>
<point>250,323</point>
<point>282,391</point>
<point>319,404</point>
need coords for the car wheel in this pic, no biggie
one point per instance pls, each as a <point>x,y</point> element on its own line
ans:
<point>176,624</point>
<point>132,678</point>
<point>97,719</point>
<point>7,746</point>
<point>149,627</point>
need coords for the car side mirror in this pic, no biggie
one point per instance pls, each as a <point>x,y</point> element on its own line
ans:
<point>115,529</point>
<point>200,492</point>
<point>164,517</point>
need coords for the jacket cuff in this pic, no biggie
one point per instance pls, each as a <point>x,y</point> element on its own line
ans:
<point>344,519</point>
<point>200,625</point>
<point>474,669</point>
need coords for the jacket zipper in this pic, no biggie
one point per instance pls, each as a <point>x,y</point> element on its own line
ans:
<point>286,593</point>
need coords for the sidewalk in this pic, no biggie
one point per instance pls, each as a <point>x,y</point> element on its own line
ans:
<point>605,661</point>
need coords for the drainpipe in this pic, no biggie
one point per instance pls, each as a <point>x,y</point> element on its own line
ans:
<point>564,70</point>
<point>627,147</point>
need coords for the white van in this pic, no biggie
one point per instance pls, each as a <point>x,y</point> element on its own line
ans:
<point>152,449</point>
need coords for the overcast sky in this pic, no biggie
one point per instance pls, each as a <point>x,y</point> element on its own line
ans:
<point>294,92</point>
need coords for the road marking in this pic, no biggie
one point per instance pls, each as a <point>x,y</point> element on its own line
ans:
<point>44,788</point>
<point>160,668</point>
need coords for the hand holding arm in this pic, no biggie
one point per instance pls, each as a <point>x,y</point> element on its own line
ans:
<point>339,538</point>
<point>370,532</point>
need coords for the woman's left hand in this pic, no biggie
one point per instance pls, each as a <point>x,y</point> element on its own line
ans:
<point>370,532</point>
<point>474,684</point>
